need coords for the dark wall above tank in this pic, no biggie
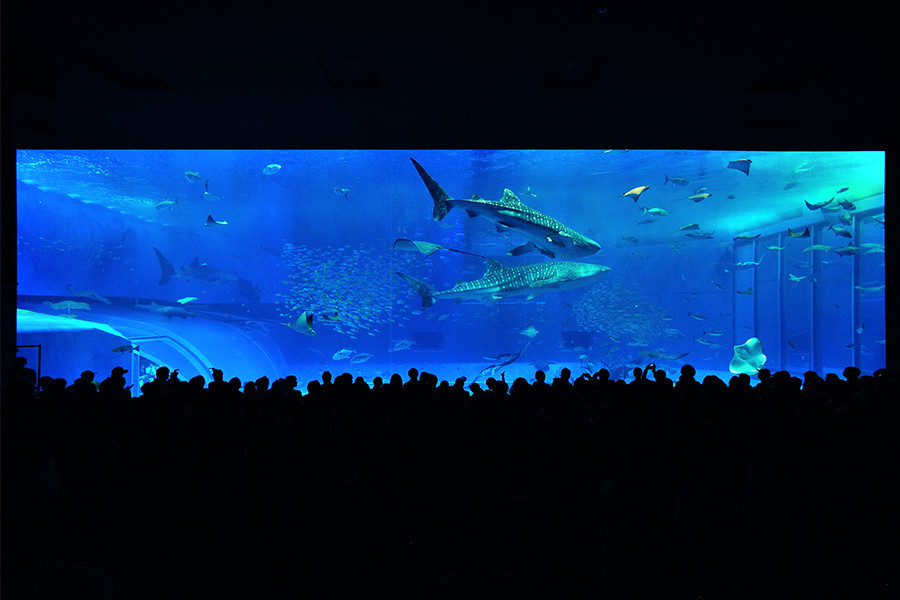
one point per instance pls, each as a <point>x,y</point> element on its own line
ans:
<point>770,75</point>
<point>470,74</point>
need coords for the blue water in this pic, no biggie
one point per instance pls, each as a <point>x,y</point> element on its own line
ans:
<point>295,242</point>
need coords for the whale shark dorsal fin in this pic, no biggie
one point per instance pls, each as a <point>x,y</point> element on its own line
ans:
<point>510,198</point>
<point>494,266</point>
<point>195,262</point>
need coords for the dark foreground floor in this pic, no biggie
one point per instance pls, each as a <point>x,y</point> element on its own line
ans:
<point>591,488</point>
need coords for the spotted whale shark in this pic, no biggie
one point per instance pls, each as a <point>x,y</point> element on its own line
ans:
<point>500,281</point>
<point>545,234</point>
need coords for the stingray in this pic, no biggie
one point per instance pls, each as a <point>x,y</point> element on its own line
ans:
<point>635,193</point>
<point>426,248</point>
<point>792,233</point>
<point>742,165</point>
<point>211,222</point>
<point>68,305</point>
<point>303,324</point>
<point>748,357</point>
<point>818,205</point>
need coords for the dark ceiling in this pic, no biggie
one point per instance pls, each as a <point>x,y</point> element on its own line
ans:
<point>760,75</point>
<point>467,74</point>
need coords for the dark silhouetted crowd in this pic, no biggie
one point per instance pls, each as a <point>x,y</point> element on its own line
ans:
<point>587,487</point>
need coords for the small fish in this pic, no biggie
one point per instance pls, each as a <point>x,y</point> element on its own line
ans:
<point>360,357</point>
<point>700,196</point>
<point>166,204</point>
<point>696,316</point>
<point>692,226</point>
<point>210,222</point>
<point>861,328</point>
<point>818,205</point>
<point>707,342</point>
<point>717,284</point>
<point>342,354</point>
<point>842,190</point>
<point>794,234</point>
<point>402,345</point>
<point>657,212</point>
<point>635,193</point>
<point>186,300</point>
<point>530,331</point>
<point>676,179</point>
<point>211,197</point>
<point>789,185</point>
<point>647,221</point>
<point>749,291</point>
<point>745,236</point>
<point>630,239</point>
<point>796,277</point>
<point>700,235</point>
<point>333,317</point>
<point>271,169</point>
<point>742,165</point>
<point>530,193</point>
<point>874,288</point>
<point>774,248</point>
<point>716,332</point>
<point>729,196</point>
<point>345,192</point>
<point>126,348</point>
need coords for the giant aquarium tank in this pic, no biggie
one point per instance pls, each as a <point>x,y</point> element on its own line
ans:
<point>462,263</point>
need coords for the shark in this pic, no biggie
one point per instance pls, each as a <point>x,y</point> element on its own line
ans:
<point>197,271</point>
<point>166,311</point>
<point>500,281</point>
<point>504,360</point>
<point>545,234</point>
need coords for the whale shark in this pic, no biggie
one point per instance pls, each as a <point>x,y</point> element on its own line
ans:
<point>545,234</point>
<point>500,281</point>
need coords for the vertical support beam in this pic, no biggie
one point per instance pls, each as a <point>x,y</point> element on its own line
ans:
<point>780,304</point>
<point>813,362</point>
<point>854,292</point>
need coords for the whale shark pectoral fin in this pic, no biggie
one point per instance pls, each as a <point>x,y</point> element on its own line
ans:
<point>523,249</point>
<point>557,239</point>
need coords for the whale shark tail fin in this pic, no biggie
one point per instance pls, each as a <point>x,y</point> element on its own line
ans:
<point>440,197</point>
<point>167,271</point>
<point>425,291</point>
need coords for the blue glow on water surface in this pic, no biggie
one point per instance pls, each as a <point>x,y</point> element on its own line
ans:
<point>699,261</point>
